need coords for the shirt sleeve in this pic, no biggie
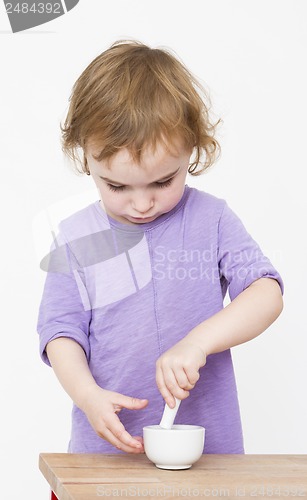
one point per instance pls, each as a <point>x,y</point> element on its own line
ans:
<point>241,261</point>
<point>62,312</point>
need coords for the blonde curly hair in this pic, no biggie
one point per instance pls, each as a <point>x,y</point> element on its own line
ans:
<point>133,96</point>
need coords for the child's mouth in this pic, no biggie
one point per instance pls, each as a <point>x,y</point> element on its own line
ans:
<point>143,219</point>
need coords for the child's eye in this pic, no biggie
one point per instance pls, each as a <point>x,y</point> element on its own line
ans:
<point>165,183</point>
<point>116,188</point>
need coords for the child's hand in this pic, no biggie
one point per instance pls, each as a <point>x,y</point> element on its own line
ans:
<point>101,408</point>
<point>177,370</point>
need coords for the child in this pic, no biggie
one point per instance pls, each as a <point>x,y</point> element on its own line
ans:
<point>132,311</point>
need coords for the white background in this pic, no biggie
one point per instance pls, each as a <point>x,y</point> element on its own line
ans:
<point>252,57</point>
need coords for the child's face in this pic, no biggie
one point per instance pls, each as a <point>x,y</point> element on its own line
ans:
<point>135,194</point>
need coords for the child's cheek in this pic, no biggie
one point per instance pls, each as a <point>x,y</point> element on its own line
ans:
<point>172,198</point>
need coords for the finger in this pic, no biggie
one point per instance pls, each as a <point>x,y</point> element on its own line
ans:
<point>139,439</point>
<point>192,375</point>
<point>117,443</point>
<point>121,438</point>
<point>169,381</point>
<point>128,402</point>
<point>167,396</point>
<point>182,379</point>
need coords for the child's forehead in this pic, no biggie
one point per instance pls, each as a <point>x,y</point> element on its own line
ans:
<point>161,151</point>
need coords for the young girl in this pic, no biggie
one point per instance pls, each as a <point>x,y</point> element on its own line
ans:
<point>132,310</point>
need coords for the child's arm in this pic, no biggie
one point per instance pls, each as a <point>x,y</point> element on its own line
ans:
<point>248,315</point>
<point>69,362</point>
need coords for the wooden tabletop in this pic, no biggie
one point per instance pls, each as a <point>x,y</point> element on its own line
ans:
<point>89,477</point>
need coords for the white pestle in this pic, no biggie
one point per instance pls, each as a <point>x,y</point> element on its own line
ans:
<point>169,415</point>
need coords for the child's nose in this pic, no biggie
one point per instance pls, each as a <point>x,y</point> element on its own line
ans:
<point>142,203</point>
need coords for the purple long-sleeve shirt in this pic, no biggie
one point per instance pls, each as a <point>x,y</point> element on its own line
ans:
<point>127,293</point>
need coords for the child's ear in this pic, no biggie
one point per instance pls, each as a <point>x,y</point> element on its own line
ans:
<point>85,166</point>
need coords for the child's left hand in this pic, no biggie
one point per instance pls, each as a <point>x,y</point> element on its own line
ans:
<point>177,370</point>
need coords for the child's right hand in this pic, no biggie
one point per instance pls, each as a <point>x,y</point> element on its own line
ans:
<point>101,408</point>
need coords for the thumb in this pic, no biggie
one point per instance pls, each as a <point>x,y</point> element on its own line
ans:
<point>131,403</point>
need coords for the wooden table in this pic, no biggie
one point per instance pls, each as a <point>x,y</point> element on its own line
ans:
<point>89,477</point>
